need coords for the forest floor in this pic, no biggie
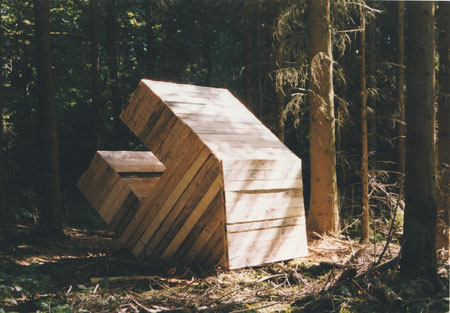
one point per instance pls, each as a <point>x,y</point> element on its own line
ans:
<point>87,271</point>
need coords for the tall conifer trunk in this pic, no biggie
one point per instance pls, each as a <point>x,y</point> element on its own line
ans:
<point>401,129</point>
<point>323,211</point>
<point>418,257</point>
<point>111,51</point>
<point>95,69</point>
<point>249,35</point>
<point>48,184</point>
<point>364,149</point>
<point>443,167</point>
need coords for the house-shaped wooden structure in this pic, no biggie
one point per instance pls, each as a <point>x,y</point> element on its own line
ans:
<point>217,188</point>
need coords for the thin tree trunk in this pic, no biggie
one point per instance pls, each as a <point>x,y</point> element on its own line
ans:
<point>95,70</point>
<point>249,34</point>
<point>279,105</point>
<point>364,154</point>
<point>418,257</point>
<point>443,195</point>
<point>111,51</point>
<point>150,37</point>
<point>401,127</point>
<point>49,192</point>
<point>323,211</point>
<point>372,83</point>
<point>259,111</point>
<point>2,172</point>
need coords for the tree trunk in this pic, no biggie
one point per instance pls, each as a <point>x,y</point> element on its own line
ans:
<point>150,37</point>
<point>419,242</point>
<point>443,168</point>
<point>323,211</point>
<point>49,193</point>
<point>364,154</point>
<point>111,51</point>
<point>279,104</point>
<point>249,34</point>
<point>372,83</point>
<point>401,129</point>
<point>95,69</point>
<point>2,172</point>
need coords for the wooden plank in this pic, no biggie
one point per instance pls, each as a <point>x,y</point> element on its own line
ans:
<point>205,236</point>
<point>174,141</point>
<point>162,190</point>
<point>142,186</point>
<point>255,213</point>
<point>114,201</point>
<point>111,188</point>
<point>167,199</point>
<point>213,214</point>
<point>262,174</point>
<point>217,252</point>
<point>267,136</point>
<point>154,134</point>
<point>216,241</point>
<point>258,163</point>
<point>90,178</point>
<point>127,209</point>
<point>247,153</point>
<point>270,197</point>
<point>130,110</point>
<point>174,216</point>
<point>150,108</point>
<point>169,87</point>
<point>238,118</point>
<point>237,241</point>
<point>190,222</point>
<point>267,251</point>
<point>277,223</point>
<point>137,109</point>
<point>287,183</point>
<point>102,186</point>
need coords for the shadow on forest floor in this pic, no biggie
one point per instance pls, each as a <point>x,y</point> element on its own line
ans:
<point>87,271</point>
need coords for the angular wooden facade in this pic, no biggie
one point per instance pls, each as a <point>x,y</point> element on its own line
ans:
<point>217,188</point>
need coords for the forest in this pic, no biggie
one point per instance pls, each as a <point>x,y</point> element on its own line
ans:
<point>358,90</point>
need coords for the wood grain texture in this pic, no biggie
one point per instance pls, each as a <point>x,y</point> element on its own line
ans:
<point>218,187</point>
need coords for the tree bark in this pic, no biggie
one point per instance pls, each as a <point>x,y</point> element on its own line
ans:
<point>401,129</point>
<point>111,51</point>
<point>323,211</point>
<point>49,180</point>
<point>95,72</point>
<point>419,242</point>
<point>150,36</point>
<point>443,168</point>
<point>249,34</point>
<point>364,153</point>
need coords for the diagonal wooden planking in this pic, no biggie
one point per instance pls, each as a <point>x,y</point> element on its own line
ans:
<point>227,186</point>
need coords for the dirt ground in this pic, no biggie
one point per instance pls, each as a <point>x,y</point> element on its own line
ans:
<point>87,271</point>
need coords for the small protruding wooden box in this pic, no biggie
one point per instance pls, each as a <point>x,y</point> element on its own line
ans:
<point>229,192</point>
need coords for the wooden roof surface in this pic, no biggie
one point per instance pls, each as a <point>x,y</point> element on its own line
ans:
<point>223,123</point>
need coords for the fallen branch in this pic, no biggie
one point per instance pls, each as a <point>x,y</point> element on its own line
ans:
<point>96,280</point>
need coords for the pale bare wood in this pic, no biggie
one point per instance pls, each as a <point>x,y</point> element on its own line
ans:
<point>269,197</point>
<point>211,214</point>
<point>130,111</point>
<point>137,108</point>
<point>268,251</point>
<point>141,238</point>
<point>262,174</point>
<point>90,178</point>
<point>266,136</point>
<point>142,186</point>
<point>288,183</point>
<point>246,153</point>
<point>205,236</point>
<point>110,191</point>
<point>114,202</point>
<point>237,117</point>
<point>190,222</point>
<point>253,213</point>
<point>177,139</point>
<point>214,242</point>
<point>175,215</point>
<point>154,134</point>
<point>123,216</point>
<point>266,224</point>
<point>259,163</point>
<point>159,194</point>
